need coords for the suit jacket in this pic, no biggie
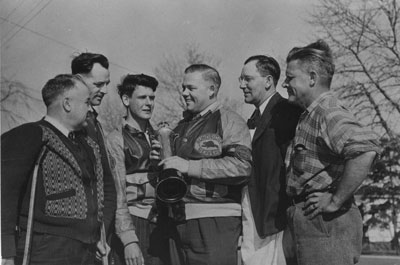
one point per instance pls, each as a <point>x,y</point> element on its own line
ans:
<point>267,184</point>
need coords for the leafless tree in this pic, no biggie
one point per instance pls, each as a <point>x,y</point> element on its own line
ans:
<point>19,104</point>
<point>364,36</point>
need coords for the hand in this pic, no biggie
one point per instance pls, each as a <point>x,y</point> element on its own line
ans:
<point>101,252</point>
<point>155,153</point>
<point>133,255</point>
<point>176,162</point>
<point>7,261</point>
<point>319,202</point>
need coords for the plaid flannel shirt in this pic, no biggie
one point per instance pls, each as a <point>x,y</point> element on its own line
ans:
<point>326,136</point>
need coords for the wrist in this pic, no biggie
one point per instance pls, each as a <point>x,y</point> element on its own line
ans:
<point>130,243</point>
<point>336,202</point>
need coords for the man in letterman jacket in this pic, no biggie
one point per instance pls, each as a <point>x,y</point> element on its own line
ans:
<point>212,150</point>
<point>70,192</point>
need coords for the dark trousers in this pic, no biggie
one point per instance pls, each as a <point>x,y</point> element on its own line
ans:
<point>153,242</point>
<point>206,241</point>
<point>49,249</point>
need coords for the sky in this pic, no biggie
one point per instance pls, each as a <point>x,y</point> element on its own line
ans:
<point>40,37</point>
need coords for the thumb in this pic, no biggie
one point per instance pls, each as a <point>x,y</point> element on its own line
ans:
<point>101,248</point>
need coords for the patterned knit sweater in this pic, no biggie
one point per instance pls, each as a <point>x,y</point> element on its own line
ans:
<point>70,187</point>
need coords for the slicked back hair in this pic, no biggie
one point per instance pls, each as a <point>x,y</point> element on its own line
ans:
<point>209,73</point>
<point>130,82</point>
<point>266,65</point>
<point>57,86</point>
<point>316,56</point>
<point>83,63</point>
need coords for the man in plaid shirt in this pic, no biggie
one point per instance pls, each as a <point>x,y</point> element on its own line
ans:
<point>329,158</point>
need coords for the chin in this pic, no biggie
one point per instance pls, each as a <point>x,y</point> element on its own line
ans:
<point>292,98</point>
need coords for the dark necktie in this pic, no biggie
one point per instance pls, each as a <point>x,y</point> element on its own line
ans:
<point>254,119</point>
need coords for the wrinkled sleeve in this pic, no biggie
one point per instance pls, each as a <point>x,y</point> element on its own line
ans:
<point>234,167</point>
<point>20,148</point>
<point>124,226</point>
<point>346,136</point>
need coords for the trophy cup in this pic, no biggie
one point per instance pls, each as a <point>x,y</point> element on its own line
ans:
<point>171,187</point>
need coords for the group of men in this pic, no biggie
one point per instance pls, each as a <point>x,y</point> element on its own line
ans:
<point>277,190</point>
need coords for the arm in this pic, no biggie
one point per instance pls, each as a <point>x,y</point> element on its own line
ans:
<point>109,186</point>
<point>234,167</point>
<point>358,147</point>
<point>124,226</point>
<point>20,148</point>
<point>355,172</point>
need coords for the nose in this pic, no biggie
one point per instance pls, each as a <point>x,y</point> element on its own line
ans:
<point>285,84</point>
<point>148,101</point>
<point>185,92</point>
<point>103,89</point>
<point>242,84</point>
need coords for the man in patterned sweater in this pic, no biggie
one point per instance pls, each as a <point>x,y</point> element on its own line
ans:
<point>212,149</point>
<point>70,190</point>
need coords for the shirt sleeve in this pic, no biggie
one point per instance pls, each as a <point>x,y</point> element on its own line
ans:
<point>20,148</point>
<point>124,226</point>
<point>234,167</point>
<point>346,136</point>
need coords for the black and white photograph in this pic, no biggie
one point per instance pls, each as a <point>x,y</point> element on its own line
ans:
<point>208,132</point>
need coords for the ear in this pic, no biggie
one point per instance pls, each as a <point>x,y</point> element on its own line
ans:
<point>213,92</point>
<point>269,81</point>
<point>125,100</point>
<point>313,78</point>
<point>66,105</point>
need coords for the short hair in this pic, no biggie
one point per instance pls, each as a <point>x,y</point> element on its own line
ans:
<point>266,65</point>
<point>57,86</point>
<point>83,63</point>
<point>208,73</point>
<point>130,82</point>
<point>317,56</point>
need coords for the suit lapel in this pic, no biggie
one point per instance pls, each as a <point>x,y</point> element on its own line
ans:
<point>266,116</point>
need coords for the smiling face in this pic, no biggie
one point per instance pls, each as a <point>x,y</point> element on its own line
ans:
<point>297,84</point>
<point>253,85</point>
<point>197,92</point>
<point>97,81</point>
<point>141,104</point>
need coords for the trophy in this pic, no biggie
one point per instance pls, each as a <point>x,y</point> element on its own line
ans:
<point>171,187</point>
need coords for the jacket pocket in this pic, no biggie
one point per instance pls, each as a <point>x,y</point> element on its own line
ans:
<point>61,195</point>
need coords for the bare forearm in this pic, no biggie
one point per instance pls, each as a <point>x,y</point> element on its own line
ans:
<point>355,172</point>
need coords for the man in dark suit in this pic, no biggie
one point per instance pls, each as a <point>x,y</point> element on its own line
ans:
<point>93,69</point>
<point>272,126</point>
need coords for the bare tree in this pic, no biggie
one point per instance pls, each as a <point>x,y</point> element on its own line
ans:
<point>19,104</point>
<point>364,36</point>
<point>169,100</point>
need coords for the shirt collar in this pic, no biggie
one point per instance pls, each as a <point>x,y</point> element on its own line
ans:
<point>317,101</point>
<point>210,108</point>
<point>265,103</point>
<point>133,129</point>
<point>58,125</point>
